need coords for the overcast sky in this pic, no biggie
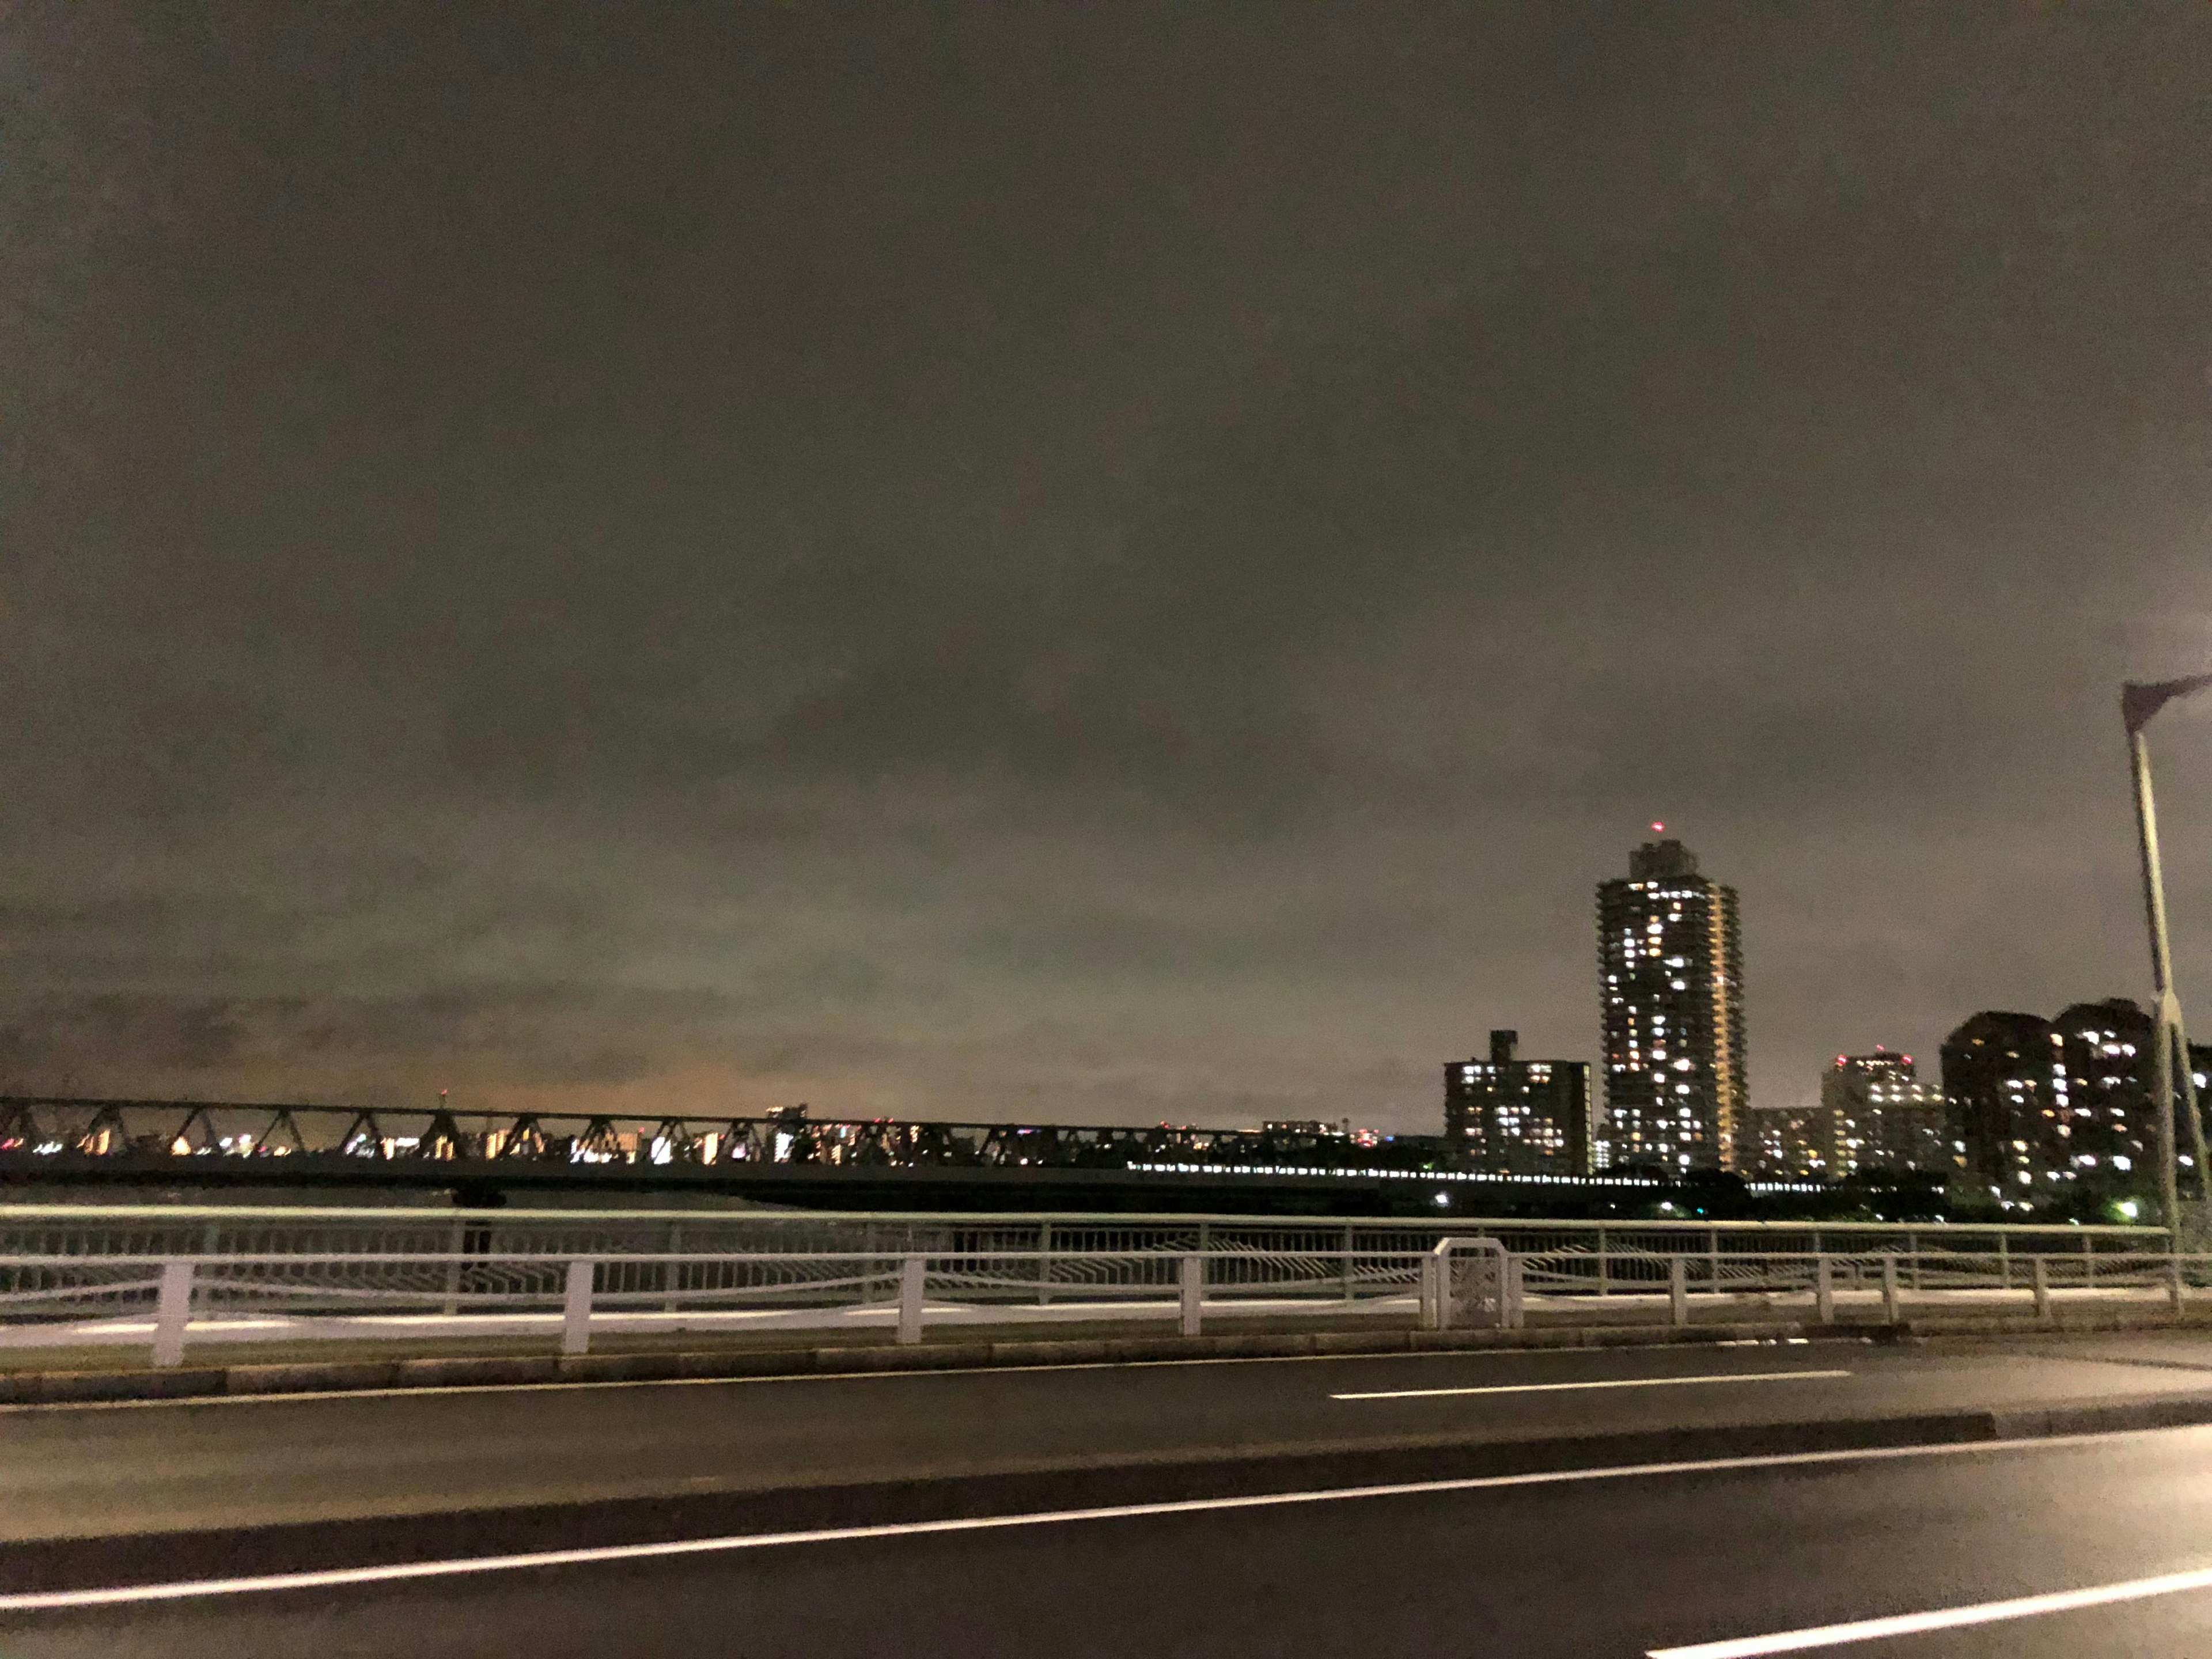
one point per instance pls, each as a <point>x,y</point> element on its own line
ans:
<point>1104,564</point>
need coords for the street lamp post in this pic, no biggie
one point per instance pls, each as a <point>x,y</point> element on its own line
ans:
<point>2138,703</point>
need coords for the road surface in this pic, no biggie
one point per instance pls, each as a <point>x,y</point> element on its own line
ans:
<point>1558,1558</point>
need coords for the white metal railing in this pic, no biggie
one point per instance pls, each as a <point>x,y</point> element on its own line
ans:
<point>55,1300</point>
<point>167,1300</point>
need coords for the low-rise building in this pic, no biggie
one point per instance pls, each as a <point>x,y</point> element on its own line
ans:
<point>1511,1116</point>
<point>1878,1115</point>
<point>1787,1142</point>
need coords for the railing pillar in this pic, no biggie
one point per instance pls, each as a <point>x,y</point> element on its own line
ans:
<point>1678,1289</point>
<point>576,1309</point>
<point>1347,1261</point>
<point>2039,1271</point>
<point>1889,1288</point>
<point>1044,1262</point>
<point>2173,1292</point>
<point>457,1237</point>
<point>2004,1263</point>
<point>1436,1287</point>
<point>173,1313</point>
<point>1600,1261</point>
<point>913,1271</point>
<point>1824,1289</point>
<point>1512,1312</point>
<point>1190,1283</point>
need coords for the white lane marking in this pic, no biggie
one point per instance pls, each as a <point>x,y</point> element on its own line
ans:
<point>844,1377</point>
<point>192,1589</point>
<point>1911,1624</point>
<point>1611,1383</point>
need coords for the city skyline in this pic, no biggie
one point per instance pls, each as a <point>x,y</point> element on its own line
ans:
<point>1160,800</point>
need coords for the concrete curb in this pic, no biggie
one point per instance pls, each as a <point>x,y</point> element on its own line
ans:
<point>1202,1473</point>
<point>349,1375</point>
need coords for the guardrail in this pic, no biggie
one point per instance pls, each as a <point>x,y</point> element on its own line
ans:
<point>55,1300</point>
<point>169,1300</point>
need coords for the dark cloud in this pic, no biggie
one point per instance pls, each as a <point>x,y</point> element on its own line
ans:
<point>1123,563</point>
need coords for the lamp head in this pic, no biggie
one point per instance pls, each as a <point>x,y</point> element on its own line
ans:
<point>2139,700</point>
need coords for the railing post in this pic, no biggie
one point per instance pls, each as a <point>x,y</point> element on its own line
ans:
<point>1512,1314</point>
<point>1713,1259</point>
<point>1347,1261</point>
<point>1824,1289</point>
<point>1600,1261</point>
<point>2004,1262</point>
<point>1678,1289</point>
<point>1889,1288</point>
<point>1044,1262</point>
<point>1912,1244</point>
<point>454,1240</point>
<point>1436,1289</point>
<point>1190,1284</point>
<point>576,1309</point>
<point>2089,1260</point>
<point>912,1272</point>
<point>2173,1281</point>
<point>2040,1271</point>
<point>173,1313</point>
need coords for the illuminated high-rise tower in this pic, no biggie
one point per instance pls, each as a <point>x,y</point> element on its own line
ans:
<point>1670,994</point>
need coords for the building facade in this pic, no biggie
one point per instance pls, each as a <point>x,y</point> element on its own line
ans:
<point>1876,1114</point>
<point>1786,1143</point>
<point>1670,990</point>
<point>1997,1070</point>
<point>2039,1111</point>
<point>2099,1127</point>
<point>1512,1117</point>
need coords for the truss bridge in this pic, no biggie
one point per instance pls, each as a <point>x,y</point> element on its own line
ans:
<point>783,1156</point>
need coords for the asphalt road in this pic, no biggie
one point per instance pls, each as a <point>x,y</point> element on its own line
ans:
<point>188,1465</point>
<point>1593,1563</point>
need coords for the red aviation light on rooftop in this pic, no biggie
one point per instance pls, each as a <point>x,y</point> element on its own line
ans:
<point>1658,827</point>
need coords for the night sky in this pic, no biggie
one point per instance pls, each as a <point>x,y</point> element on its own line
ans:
<point>1103,564</point>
